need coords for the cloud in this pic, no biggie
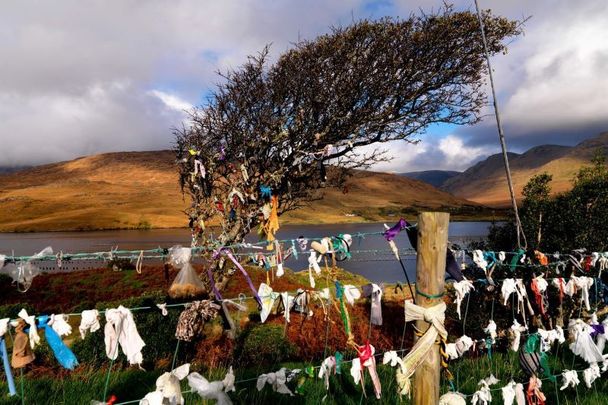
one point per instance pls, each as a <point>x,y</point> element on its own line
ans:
<point>86,77</point>
<point>552,81</point>
<point>80,78</point>
<point>433,153</point>
<point>172,101</point>
<point>551,84</point>
<point>459,156</point>
<point>563,79</point>
<point>109,116</point>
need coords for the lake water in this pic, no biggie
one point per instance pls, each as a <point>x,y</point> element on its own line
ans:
<point>377,267</point>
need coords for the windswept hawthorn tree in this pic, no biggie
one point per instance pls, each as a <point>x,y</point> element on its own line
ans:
<point>260,146</point>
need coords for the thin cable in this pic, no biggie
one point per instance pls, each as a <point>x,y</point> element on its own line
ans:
<point>501,135</point>
<point>466,311</point>
<point>196,249</point>
<point>256,378</point>
<point>407,278</point>
<point>105,389</point>
<point>175,355</point>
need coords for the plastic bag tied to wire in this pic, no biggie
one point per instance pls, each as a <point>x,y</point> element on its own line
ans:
<point>23,273</point>
<point>187,284</point>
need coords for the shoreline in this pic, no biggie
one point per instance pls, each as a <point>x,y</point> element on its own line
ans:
<point>286,222</point>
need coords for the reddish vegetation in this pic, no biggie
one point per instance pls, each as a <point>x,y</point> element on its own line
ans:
<point>76,291</point>
<point>73,292</point>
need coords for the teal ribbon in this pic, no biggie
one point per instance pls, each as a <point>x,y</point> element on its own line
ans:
<point>338,356</point>
<point>533,345</point>
<point>429,296</point>
<point>294,249</point>
<point>518,255</point>
<point>489,346</point>
<point>340,246</point>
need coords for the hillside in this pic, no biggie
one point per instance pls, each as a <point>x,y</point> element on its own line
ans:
<point>435,178</point>
<point>486,183</point>
<point>140,190</point>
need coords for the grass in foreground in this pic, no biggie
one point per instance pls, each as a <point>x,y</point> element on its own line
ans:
<point>133,384</point>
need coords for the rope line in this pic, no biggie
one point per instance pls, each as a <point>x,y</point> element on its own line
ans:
<point>241,297</point>
<point>314,368</point>
<point>196,249</point>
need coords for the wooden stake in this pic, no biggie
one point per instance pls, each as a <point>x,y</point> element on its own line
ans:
<point>430,276</point>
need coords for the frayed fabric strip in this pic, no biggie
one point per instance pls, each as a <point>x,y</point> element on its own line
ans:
<point>120,329</point>
<point>434,315</point>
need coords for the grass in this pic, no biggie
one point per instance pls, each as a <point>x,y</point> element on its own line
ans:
<point>48,384</point>
<point>133,384</point>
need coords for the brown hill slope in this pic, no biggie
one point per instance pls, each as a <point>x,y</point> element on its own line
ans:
<point>140,190</point>
<point>486,183</point>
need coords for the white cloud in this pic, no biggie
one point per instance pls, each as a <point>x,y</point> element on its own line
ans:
<point>403,154</point>
<point>88,77</point>
<point>433,153</point>
<point>459,156</point>
<point>564,79</point>
<point>103,117</point>
<point>171,100</point>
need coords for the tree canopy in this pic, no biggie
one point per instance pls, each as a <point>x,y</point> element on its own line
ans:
<point>260,145</point>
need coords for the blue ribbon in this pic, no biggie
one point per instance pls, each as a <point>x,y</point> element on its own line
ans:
<point>266,191</point>
<point>7,369</point>
<point>490,258</point>
<point>62,353</point>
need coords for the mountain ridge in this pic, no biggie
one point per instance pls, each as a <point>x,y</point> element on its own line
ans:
<point>485,182</point>
<point>126,190</point>
<point>435,178</point>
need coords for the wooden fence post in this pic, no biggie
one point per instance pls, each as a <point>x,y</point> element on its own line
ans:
<point>430,276</point>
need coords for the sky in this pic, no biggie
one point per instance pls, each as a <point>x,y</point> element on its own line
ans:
<point>79,78</point>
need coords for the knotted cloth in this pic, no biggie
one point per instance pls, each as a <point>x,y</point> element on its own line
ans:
<point>513,392</point>
<point>570,379</point>
<point>278,380</point>
<point>33,331</point>
<point>22,352</point>
<point>435,316</point>
<point>215,390</point>
<point>168,388</point>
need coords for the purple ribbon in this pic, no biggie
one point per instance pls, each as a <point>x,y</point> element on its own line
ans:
<point>212,282</point>
<point>238,265</point>
<point>598,329</point>
<point>392,233</point>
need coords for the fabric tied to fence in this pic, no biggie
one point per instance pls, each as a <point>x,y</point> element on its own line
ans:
<point>7,367</point>
<point>434,315</point>
<point>246,275</point>
<point>62,353</point>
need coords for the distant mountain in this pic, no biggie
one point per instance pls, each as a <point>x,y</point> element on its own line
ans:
<point>140,190</point>
<point>485,182</point>
<point>12,169</point>
<point>433,177</point>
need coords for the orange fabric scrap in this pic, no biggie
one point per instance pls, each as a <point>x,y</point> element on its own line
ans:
<point>272,223</point>
<point>542,258</point>
<point>534,395</point>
